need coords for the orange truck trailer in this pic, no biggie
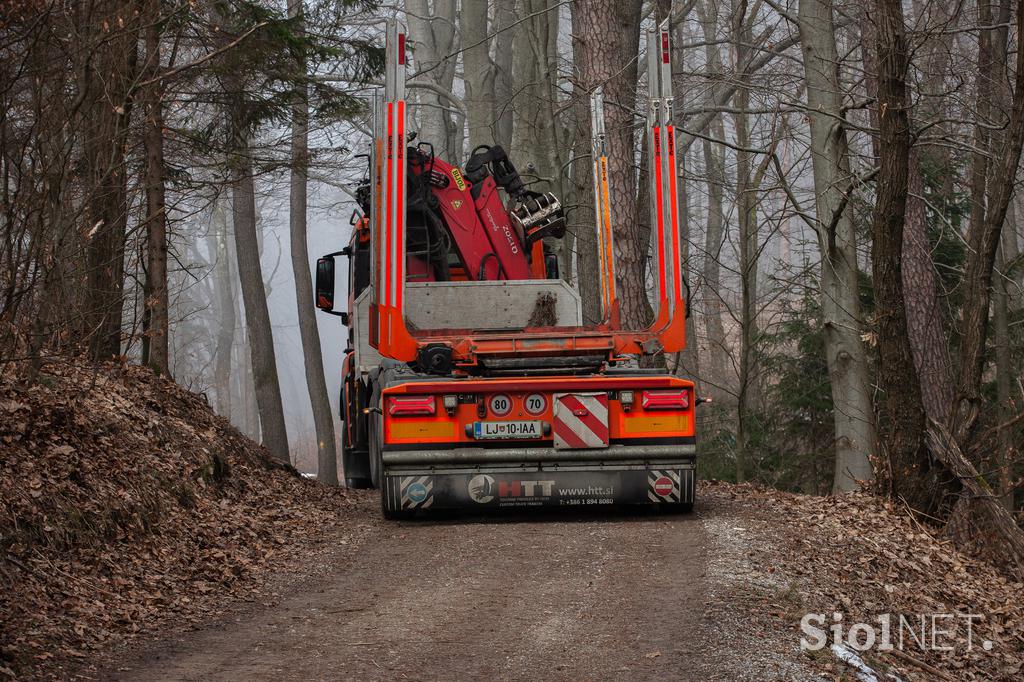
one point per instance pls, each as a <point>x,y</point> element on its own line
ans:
<point>469,380</point>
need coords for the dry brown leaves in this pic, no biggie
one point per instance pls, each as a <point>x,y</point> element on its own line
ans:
<point>863,556</point>
<point>125,504</point>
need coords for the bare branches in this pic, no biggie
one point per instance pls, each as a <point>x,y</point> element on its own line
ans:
<point>172,73</point>
<point>488,37</point>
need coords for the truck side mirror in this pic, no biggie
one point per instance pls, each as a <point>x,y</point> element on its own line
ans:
<point>325,283</point>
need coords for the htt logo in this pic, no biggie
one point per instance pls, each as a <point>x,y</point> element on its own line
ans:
<point>483,488</point>
<point>525,488</point>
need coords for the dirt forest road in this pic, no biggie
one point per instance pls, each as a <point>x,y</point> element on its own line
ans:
<point>588,598</point>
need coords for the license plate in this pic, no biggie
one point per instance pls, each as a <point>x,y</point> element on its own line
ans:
<point>510,429</point>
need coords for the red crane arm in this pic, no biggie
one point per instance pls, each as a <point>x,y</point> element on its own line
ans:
<point>481,229</point>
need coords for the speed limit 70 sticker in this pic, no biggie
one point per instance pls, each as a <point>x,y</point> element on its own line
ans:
<point>535,403</point>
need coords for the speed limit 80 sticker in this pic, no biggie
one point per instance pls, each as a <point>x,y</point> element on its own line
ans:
<point>500,405</point>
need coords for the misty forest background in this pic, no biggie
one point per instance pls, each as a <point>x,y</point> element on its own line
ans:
<point>170,170</point>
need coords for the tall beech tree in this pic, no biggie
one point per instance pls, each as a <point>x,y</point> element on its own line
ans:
<point>312,356</point>
<point>837,241</point>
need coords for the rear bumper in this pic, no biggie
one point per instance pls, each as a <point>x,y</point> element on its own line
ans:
<point>480,479</point>
<point>528,455</point>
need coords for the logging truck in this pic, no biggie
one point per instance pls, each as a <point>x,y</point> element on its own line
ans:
<point>470,380</point>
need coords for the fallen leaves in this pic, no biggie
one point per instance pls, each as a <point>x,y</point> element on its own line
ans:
<point>858,555</point>
<point>125,502</point>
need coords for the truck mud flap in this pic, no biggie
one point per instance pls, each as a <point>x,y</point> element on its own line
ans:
<point>487,490</point>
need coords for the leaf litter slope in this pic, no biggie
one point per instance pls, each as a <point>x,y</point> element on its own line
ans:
<point>125,505</point>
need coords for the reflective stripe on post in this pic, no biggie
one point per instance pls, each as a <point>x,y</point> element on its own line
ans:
<point>392,339</point>
<point>602,207</point>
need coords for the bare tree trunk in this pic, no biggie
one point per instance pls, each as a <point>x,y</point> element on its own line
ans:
<point>259,336</point>
<point>746,209</point>
<point>534,144</point>
<point>1005,454</point>
<point>869,40</point>
<point>537,136</point>
<point>937,50</point>
<point>908,458</point>
<point>643,221</point>
<point>1005,451</point>
<point>156,331</point>
<point>979,522</point>
<point>434,38</point>
<point>989,206</point>
<point>1017,240</point>
<point>606,42</point>
<point>111,71</point>
<point>924,317</point>
<point>687,361</point>
<point>504,16</point>
<point>844,353</point>
<point>478,73</point>
<point>250,416</point>
<point>247,418</point>
<point>226,319</point>
<point>327,457</point>
<point>714,306</point>
<point>257,316</point>
<point>714,163</point>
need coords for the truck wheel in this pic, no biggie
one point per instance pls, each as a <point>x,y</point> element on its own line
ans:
<point>376,443</point>
<point>377,470</point>
<point>391,513</point>
<point>358,483</point>
<point>356,465</point>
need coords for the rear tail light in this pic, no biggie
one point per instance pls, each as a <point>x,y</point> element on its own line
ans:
<point>411,404</point>
<point>675,399</point>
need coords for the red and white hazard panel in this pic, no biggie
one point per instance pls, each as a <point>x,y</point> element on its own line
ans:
<point>581,420</point>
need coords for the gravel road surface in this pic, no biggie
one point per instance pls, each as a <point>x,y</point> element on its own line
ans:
<point>583,598</point>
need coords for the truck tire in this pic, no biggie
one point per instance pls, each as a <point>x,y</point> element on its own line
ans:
<point>358,483</point>
<point>375,441</point>
<point>377,469</point>
<point>388,513</point>
<point>375,438</point>
<point>356,465</point>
